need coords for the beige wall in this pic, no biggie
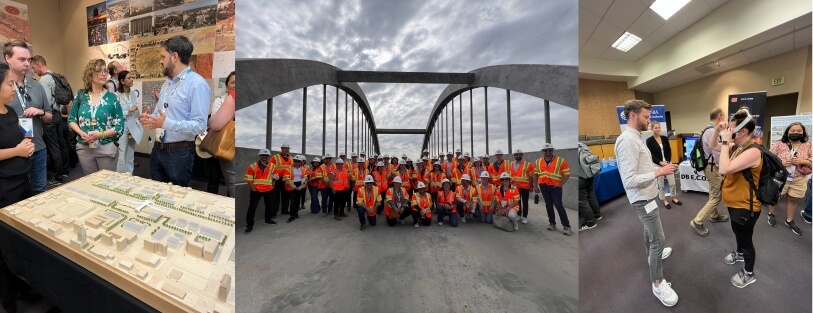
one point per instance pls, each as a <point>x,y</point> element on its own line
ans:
<point>44,17</point>
<point>690,103</point>
<point>597,102</point>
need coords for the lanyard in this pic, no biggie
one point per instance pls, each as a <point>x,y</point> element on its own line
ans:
<point>182,77</point>
<point>20,95</point>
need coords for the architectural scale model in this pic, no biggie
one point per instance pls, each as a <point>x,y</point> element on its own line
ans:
<point>170,239</point>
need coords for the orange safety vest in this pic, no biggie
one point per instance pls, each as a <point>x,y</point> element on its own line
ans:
<point>511,196</point>
<point>435,181</point>
<point>368,199</point>
<point>421,203</point>
<point>521,177</point>
<point>289,179</point>
<point>552,174</point>
<point>474,173</point>
<point>485,195</point>
<point>261,180</point>
<point>445,197</point>
<point>319,175</point>
<point>456,175</point>
<point>341,182</point>
<point>405,178</point>
<point>350,169</point>
<point>380,180</point>
<point>359,173</point>
<point>283,167</point>
<point>470,195</point>
<point>495,172</point>
<point>390,197</point>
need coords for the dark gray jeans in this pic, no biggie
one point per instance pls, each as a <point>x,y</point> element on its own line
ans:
<point>653,236</point>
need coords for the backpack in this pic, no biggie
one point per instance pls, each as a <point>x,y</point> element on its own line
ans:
<point>588,162</point>
<point>772,178</point>
<point>63,94</point>
<point>697,157</point>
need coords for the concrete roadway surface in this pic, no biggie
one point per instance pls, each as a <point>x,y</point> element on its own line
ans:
<point>317,264</point>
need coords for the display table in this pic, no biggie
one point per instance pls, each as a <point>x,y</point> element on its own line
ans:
<point>607,184</point>
<point>691,179</point>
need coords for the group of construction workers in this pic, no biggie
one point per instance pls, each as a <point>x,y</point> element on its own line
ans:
<point>456,188</point>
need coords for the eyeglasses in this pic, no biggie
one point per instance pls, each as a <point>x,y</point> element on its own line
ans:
<point>21,90</point>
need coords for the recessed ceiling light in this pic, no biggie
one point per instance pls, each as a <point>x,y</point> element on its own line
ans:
<point>667,8</point>
<point>626,42</point>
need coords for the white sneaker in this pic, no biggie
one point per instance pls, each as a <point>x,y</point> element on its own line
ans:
<point>666,253</point>
<point>440,223</point>
<point>516,226</point>
<point>665,293</point>
<point>464,219</point>
<point>524,220</point>
<point>417,225</point>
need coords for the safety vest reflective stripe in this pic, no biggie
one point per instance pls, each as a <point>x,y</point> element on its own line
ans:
<point>261,180</point>
<point>422,203</point>
<point>368,199</point>
<point>282,167</point>
<point>469,195</point>
<point>522,175</point>
<point>341,181</point>
<point>484,196</point>
<point>550,176</point>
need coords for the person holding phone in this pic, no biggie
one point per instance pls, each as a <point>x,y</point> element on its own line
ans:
<point>661,152</point>
<point>795,151</point>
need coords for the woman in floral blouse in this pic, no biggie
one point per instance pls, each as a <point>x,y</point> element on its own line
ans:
<point>795,151</point>
<point>97,120</point>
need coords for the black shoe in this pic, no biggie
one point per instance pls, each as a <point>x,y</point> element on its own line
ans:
<point>668,206</point>
<point>771,219</point>
<point>286,213</point>
<point>249,229</point>
<point>361,227</point>
<point>54,182</point>
<point>271,222</point>
<point>804,217</point>
<point>291,219</point>
<point>598,217</point>
<point>793,227</point>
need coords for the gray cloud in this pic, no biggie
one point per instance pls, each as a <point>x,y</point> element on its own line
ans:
<point>433,36</point>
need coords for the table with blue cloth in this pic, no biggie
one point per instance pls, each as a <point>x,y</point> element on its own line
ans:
<point>607,184</point>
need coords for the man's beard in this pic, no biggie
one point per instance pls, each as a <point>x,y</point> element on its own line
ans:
<point>168,70</point>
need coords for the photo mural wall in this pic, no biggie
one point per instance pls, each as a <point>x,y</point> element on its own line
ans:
<point>131,31</point>
<point>14,21</point>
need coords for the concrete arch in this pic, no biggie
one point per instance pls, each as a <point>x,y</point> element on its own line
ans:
<point>557,83</point>
<point>263,79</point>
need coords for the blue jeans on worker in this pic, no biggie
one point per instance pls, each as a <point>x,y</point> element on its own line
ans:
<point>452,217</point>
<point>39,171</point>
<point>553,198</point>
<point>484,217</point>
<point>314,192</point>
<point>173,165</point>
<point>364,218</point>
<point>653,237</point>
<point>327,200</point>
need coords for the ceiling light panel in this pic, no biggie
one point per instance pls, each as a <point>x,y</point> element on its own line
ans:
<point>626,42</point>
<point>667,8</point>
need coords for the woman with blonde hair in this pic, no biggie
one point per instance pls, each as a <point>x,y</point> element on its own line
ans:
<point>96,119</point>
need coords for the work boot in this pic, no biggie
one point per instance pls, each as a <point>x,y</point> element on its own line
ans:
<point>699,228</point>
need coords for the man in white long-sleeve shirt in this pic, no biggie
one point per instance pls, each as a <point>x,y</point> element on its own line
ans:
<point>639,175</point>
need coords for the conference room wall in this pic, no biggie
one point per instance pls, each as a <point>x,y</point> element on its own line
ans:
<point>597,102</point>
<point>690,103</point>
<point>43,17</point>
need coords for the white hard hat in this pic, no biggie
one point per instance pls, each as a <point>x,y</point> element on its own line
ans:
<point>505,175</point>
<point>397,179</point>
<point>425,150</point>
<point>484,174</point>
<point>362,153</point>
<point>369,179</point>
<point>327,156</point>
<point>421,185</point>
<point>476,159</point>
<point>339,161</point>
<point>342,154</point>
<point>300,158</point>
<point>286,146</point>
<point>446,180</point>
<point>461,158</point>
<point>546,146</point>
<point>353,155</point>
<point>372,156</point>
<point>465,177</point>
<point>316,159</point>
<point>380,164</point>
<point>409,160</point>
<point>401,162</point>
<point>457,150</point>
<point>467,154</point>
<point>449,153</point>
<point>360,160</point>
<point>386,156</point>
<point>404,155</point>
<point>264,151</point>
<point>437,164</point>
<point>435,158</point>
<point>518,151</point>
<point>424,159</point>
<point>499,152</point>
<point>485,156</point>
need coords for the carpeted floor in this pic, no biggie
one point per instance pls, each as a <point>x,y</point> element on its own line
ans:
<point>613,270</point>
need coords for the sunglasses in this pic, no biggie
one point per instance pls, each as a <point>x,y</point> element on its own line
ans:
<point>22,91</point>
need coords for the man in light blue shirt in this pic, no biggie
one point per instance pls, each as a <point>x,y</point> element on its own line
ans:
<point>179,115</point>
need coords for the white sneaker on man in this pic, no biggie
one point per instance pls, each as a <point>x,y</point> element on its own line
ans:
<point>665,293</point>
<point>524,220</point>
<point>440,223</point>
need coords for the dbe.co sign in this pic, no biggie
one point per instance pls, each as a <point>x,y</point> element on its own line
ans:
<point>695,176</point>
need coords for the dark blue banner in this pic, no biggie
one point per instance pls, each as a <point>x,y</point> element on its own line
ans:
<point>755,103</point>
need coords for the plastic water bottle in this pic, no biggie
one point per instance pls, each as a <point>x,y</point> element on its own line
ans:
<point>612,162</point>
<point>603,163</point>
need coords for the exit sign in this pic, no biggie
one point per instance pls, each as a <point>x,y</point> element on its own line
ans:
<point>777,81</point>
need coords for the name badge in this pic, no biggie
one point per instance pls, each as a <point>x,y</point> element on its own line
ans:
<point>651,206</point>
<point>160,134</point>
<point>27,127</point>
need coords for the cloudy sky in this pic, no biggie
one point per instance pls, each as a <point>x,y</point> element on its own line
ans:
<point>409,36</point>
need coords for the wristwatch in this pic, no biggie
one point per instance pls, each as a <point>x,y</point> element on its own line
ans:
<point>725,142</point>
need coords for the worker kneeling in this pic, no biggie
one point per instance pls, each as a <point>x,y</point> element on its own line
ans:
<point>446,204</point>
<point>422,203</point>
<point>486,200</point>
<point>397,206</point>
<point>367,201</point>
<point>466,197</point>
<point>507,198</point>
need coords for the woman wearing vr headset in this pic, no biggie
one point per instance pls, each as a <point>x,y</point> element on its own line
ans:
<point>743,206</point>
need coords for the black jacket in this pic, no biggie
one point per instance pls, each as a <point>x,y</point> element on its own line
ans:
<point>655,150</point>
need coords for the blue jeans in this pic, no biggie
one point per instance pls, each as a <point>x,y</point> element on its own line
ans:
<point>806,212</point>
<point>172,165</point>
<point>653,237</point>
<point>553,198</point>
<point>327,200</point>
<point>39,172</point>
<point>484,217</point>
<point>363,217</point>
<point>452,217</point>
<point>314,191</point>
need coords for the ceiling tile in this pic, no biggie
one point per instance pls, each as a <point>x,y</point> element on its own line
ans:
<point>587,24</point>
<point>647,23</point>
<point>593,48</point>
<point>714,4</point>
<point>598,7</point>
<point>755,52</point>
<point>612,54</point>
<point>606,33</point>
<point>661,35</point>
<point>623,12</point>
<point>689,14</point>
<point>733,59</point>
<point>640,50</point>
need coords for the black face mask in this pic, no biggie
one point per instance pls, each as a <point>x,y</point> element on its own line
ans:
<point>795,137</point>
